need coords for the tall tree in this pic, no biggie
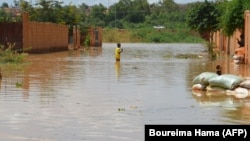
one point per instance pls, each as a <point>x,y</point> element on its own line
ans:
<point>233,15</point>
<point>131,11</point>
<point>204,18</point>
<point>5,5</point>
<point>47,11</point>
<point>169,6</point>
<point>98,15</point>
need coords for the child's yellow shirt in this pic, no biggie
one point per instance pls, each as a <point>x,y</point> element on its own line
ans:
<point>118,53</point>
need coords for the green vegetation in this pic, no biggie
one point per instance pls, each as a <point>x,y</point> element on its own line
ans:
<point>19,85</point>
<point>225,15</point>
<point>121,109</point>
<point>187,56</point>
<point>135,19</point>
<point>203,17</point>
<point>149,35</point>
<point>8,55</point>
<point>232,17</point>
<point>87,41</point>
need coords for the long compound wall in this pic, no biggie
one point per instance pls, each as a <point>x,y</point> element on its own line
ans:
<point>34,37</point>
<point>38,37</point>
<point>247,36</point>
<point>229,44</point>
<point>43,37</point>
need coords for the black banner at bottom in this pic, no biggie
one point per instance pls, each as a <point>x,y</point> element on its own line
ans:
<point>216,132</point>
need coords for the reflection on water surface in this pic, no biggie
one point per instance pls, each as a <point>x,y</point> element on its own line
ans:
<point>86,95</point>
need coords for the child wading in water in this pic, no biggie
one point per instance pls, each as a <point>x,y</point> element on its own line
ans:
<point>118,51</point>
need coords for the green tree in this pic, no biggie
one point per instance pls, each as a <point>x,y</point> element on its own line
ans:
<point>137,12</point>
<point>3,16</point>
<point>52,11</point>
<point>27,7</point>
<point>204,18</point>
<point>129,11</point>
<point>167,13</point>
<point>69,15</point>
<point>47,10</point>
<point>97,16</point>
<point>5,5</point>
<point>83,11</point>
<point>233,15</point>
<point>7,16</point>
<point>169,6</point>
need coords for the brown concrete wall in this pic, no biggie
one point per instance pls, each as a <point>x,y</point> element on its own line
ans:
<point>34,37</point>
<point>44,37</point>
<point>247,37</point>
<point>37,37</point>
<point>11,33</point>
<point>229,44</point>
<point>47,37</point>
<point>226,44</point>
<point>221,41</point>
<point>95,37</point>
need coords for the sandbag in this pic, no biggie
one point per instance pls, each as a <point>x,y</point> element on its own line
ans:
<point>245,84</point>
<point>198,87</point>
<point>241,92</point>
<point>203,78</point>
<point>198,93</point>
<point>215,91</point>
<point>227,81</point>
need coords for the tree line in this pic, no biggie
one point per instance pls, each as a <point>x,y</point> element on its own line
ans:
<point>204,17</point>
<point>224,15</point>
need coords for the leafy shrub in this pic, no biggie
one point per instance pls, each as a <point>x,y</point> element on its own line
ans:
<point>8,55</point>
<point>87,41</point>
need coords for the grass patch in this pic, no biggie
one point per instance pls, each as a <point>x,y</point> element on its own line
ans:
<point>8,55</point>
<point>187,56</point>
<point>150,35</point>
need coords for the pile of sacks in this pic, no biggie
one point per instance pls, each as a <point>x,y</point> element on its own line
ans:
<point>226,83</point>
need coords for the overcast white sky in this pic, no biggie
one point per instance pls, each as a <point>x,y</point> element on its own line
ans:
<point>110,2</point>
<point>104,2</point>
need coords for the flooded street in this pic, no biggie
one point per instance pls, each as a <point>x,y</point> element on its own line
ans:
<point>85,95</point>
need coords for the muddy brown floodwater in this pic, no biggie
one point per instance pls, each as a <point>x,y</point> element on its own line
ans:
<point>85,95</point>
